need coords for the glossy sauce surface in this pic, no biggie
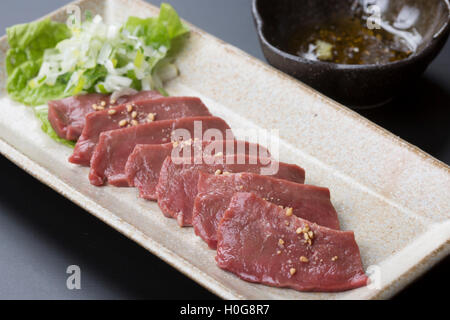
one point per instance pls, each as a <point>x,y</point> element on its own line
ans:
<point>348,40</point>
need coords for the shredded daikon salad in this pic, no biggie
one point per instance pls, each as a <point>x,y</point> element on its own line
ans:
<point>99,45</point>
<point>50,60</point>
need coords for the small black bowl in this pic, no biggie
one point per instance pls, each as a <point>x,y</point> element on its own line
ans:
<point>357,86</point>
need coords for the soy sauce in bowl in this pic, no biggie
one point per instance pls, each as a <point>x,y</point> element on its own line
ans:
<point>330,46</point>
<point>348,41</point>
<point>352,40</point>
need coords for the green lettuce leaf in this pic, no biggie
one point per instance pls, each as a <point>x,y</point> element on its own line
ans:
<point>164,30</point>
<point>19,89</point>
<point>170,19</point>
<point>28,43</point>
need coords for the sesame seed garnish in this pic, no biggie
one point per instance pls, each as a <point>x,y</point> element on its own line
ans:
<point>279,252</point>
<point>292,271</point>
<point>289,212</point>
<point>286,223</point>
<point>334,258</point>
<point>134,115</point>
<point>97,107</point>
<point>134,122</point>
<point>308,234</point>
<point>218,172</point>
<point>123,123</point>
<point>129,107</point>
<point>151,117</point>
<point>112,111</point>
<point>304,259</point>
<point>103,103</point>
<point>281,242</point>
<point>226,173</point>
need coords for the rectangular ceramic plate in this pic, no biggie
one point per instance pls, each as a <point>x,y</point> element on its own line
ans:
<point>394,196</point>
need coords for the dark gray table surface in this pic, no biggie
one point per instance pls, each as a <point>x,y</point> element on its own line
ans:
<point>42,233</point>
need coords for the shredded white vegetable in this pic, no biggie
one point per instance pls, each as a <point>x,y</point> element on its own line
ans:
<point>97,43</point>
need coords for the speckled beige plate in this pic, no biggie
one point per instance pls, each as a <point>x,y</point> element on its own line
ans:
<point>394,196</point>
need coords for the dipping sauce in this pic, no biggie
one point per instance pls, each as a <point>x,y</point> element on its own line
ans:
<point>348,41</point>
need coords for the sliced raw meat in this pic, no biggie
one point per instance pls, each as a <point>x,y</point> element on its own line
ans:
<point>215,192</point>
<point>132,114</point>
<point>67,116</point>
<point>144,164</point>
<point>259,243</point>
<point>177,185</point>
<point>115,146</point>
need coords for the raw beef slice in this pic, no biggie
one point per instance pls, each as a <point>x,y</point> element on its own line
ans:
<point>67,116</point>
<point>215,192</point>
<point>114,147</point>
<point>177,185</point>
<point>259,243</point>
<point>144,164</point>
<point>132,114</point>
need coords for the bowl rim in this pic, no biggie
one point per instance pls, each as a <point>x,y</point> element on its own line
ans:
<point>442,32</point>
